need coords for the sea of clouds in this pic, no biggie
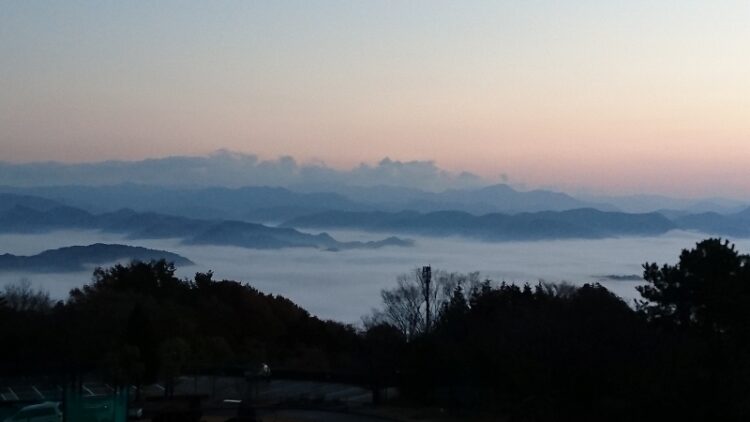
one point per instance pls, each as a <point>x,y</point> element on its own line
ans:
<point>346,285</point>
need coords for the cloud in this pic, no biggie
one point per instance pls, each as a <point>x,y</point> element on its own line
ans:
<point>231,169</point>
<point>345,285</point>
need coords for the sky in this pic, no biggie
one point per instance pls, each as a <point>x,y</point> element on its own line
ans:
<point>607,96</point>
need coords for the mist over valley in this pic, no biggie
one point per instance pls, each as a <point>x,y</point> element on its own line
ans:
<point>334,251</point>
<point>345,285</point>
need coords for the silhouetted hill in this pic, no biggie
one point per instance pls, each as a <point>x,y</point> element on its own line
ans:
<point>79,258</point>
<point>495,198</point>
<point>146,305</point>
<point>250,203</point>
<point>454,209</point>
<point>22,219</point>
<point>258,236</point>
<point>375,244</point>
<point>650,203</point>
<point>737,224</point>
<point>274,204</point>
<point>149,225</point>
<point>10,200</point>
<point>136,225</point>
<point>579,223</point>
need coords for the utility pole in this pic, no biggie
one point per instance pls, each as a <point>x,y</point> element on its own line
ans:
<point>426,281</point>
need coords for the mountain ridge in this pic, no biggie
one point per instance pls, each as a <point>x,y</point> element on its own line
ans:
<point>79,258</point>
<point>579,223</point>
<point>134,225</point>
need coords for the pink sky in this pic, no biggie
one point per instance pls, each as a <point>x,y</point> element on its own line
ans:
<point>611,96</point>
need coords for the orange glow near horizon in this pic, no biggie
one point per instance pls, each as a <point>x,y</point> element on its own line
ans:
<point>600,96</point>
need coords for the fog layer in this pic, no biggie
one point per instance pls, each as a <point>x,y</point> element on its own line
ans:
<point>345,285</point>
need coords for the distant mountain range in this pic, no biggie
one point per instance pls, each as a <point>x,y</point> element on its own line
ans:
<point>9,201</point>
<point>256,204</point>
<point>261,204</point>
<point>735,224</point>
<point>79,258</point>
<point>320,211</point>
<point>585,223</point>
<point>668,205</point>
<point>274,204</point>
<point>25,219</point>
<point>490,199</point>
<point>577,223</point>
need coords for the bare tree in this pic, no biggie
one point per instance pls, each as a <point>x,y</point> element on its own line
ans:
<point>402,306</point>
<point>563,289</point>
<point>418,299</point>
<point>21,296</point>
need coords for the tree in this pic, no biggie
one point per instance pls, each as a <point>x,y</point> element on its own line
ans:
<point>401,308</point>
<point>139,334</point>
<point>417,301</point>
<point>156,279</point>
<point>135,361</point>
<point>124,366</point>
<point>453,314</point>
<point>709,288</point>
<point>211,353</point>
<point>24,298</point>
<point>174,353</point>
<point>384,346</point>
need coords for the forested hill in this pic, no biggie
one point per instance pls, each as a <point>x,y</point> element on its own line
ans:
<point>79,258</point>
<point>141,311</point>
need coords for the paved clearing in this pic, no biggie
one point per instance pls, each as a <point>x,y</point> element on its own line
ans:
<point>316,416</point>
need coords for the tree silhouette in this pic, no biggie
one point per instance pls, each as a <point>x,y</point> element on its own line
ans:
<point>124,367</point>
<point>414,304</point>
<point>22,296</point>
<point>548,352</point>
<point>174,354</point>
<point>139,334</point>
<point>709,288</point>
<point>384,345</point>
